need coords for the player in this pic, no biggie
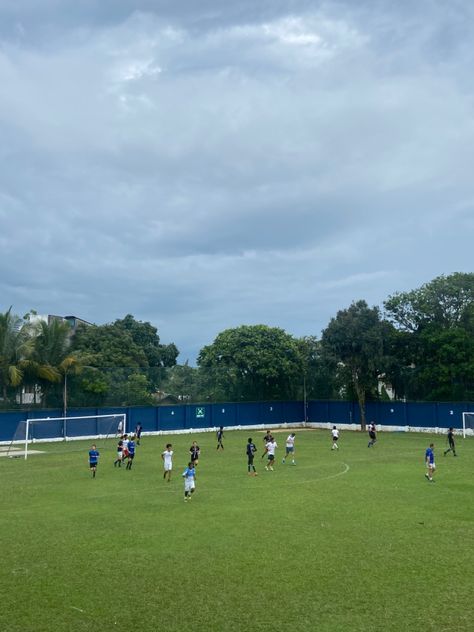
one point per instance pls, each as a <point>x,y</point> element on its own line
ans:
<point>372,435</point>
<point>93,460</point>
<point>430,462</point>
<point>120,428</point>
<point>131,452</point>
<point>167,457</point>
<point>270,451</point>
<point>118,460</point>
<point>290,448</point>
<point>195,451</point>
<point>189,475</point>
<point>138,432</point>
<point>452,447</point>
<point>124,447</point>
<point>266,439</point>
<point>335,437</point>
<point>220,436</point>
<point>251,449</point>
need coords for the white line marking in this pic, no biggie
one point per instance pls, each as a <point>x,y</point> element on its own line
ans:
<point>78,609</point>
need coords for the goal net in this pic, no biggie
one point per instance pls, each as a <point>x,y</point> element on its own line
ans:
<point>50,429</point>
<point>467,424</point>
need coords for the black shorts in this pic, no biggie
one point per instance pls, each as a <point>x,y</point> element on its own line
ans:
<point>372,435</point>
<point>194,458</point>
<point>131,456</point>
<point>250,459</point>
<point>91,465</point>
<point>271,457</point>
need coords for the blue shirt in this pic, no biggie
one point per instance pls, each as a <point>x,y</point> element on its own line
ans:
<point>189,472</point>
<point>251,449</point>
<point>131,447</point>
<point>429,454</point>
<point>93,456</point>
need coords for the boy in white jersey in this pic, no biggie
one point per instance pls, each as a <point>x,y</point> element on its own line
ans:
<point>270,451</point>
<point>290,448</point>
<point>167,457</point>
<point>335,437</point>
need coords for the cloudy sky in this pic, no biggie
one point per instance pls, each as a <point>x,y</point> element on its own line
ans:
<point>205,164</point>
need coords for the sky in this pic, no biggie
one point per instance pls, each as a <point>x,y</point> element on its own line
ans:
<point>203,165</point>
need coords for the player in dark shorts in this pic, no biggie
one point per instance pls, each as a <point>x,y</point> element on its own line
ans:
<point>138,432</point>
<point>118,460</point>
<point>372,435</point>
<point>93,460</point>
<point>220,436</point>
<point>452,447</point>
<point>195,451</point>
<point>251,449</point>
<point>131,453</point>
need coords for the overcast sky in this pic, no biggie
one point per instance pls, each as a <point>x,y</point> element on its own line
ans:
<point>205,164</point>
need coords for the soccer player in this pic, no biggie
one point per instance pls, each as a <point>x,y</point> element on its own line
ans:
<point>335,437</point>
<point>167,457</point>
<point>372,434</point>
<point>290,448</point>
<point>270,451</point>
<point>138,432</point>
<point>220,436</point>
<point>93,460</point>
<point>195,451</point>
<point>266,439</point>
<point>131,452</point>
<point>189,475</point>
<point>452,447</point>
<point>118,460</point>
<point>430,462</point>
<point>120,428</point>
<point>125,447</point>
<point>251,449</point>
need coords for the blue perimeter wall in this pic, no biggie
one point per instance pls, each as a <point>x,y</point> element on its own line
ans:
<point>163,418</point>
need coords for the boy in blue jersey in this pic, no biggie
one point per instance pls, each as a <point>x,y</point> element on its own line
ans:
<point>430,462</point>
<point>251,449</point>
<point>93,460</point>
<point>131,453</point>
<point>189,475</point>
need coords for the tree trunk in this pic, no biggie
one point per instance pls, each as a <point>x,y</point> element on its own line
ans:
<point>360,391</point>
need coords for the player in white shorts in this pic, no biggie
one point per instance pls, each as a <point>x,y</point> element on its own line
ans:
<point>189,475</point>
<point>335,437</point>
<point>167,457</point>
<point>290,448</point>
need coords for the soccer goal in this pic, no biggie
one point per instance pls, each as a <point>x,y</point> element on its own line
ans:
<point>49,429</point>
<point>467,424</point>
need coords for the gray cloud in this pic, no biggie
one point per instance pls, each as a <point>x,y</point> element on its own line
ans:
<point>203,165</point>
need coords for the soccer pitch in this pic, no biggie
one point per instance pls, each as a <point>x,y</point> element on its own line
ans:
<point>348,540</point>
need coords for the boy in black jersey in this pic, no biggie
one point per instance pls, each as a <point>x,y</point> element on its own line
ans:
<point>251,449</point>
<point>452,447</point>
<point>195,451</point>
<point>220,436</point>
<point>266,439</point>
<point>118,460</point>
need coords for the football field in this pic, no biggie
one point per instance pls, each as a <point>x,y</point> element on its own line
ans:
<point>348,540</point>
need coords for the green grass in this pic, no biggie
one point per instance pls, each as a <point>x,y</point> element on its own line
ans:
<point>311,547</point>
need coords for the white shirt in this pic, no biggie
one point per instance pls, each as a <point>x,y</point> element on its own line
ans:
<point>167,454</point>
<point>271,445</point>
<point>290,441</point>
<point>335,434</point>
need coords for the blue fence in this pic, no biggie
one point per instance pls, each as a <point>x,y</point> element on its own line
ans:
<point>420,414</point>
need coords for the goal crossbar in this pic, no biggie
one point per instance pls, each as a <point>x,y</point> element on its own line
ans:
<point>121,418</point>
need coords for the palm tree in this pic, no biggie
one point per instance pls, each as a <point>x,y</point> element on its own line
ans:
<point>51,361</point>
<point>15,348</point>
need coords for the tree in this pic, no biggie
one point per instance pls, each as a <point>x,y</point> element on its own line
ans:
<point>319,369</point>
<point>252,362</point>
<point>15,347</point>
<point>434,347</point>
<point>355,340</point>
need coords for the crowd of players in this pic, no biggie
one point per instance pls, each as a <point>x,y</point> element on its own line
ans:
<point>127,444</point>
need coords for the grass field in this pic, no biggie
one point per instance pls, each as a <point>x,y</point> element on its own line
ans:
<point>344,541</point>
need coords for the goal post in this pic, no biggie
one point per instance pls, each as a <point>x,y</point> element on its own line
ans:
<point>467,424</point>
<point>52,429</point>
